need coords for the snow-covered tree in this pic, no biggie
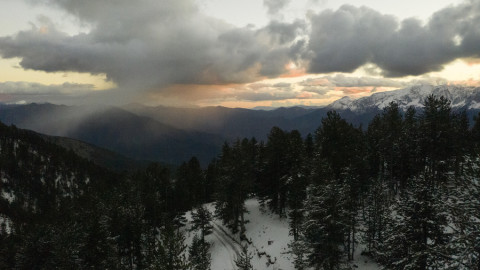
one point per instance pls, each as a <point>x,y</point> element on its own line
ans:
<point>416,235</point>
<point>199,255</point>
<point>299,248</point>
<point>324,227</point>
<point>244,261</point>
<point>464,216</point>
<point>375,213</point>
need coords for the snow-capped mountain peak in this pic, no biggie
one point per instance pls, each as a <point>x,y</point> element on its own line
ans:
<point>460,97</point>
<point>342,104</point>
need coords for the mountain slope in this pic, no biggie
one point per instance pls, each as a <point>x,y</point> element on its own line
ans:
<point>38,178</point>
<point>144,138</point>
<point>461,98</point>
<point>231,123</point>
<point>173,135</point>
<point>117,130</point>
<point>97,155</point>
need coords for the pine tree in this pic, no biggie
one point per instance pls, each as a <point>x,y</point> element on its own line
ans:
<point>462,143</point>
<point>390,143</point>
<point>173,243</point>
<point>299,250</point>
<point>243,262</point>
<point>189,185</point>
<point>157,190</point>
<point>375,215</point>
<point>199,255</point>
<point>343,162</point>
<point>273,188</point>
<point>211,178</point>
<point>476,134</point>
<point>436,130</point>
<point>201,220</point>
<point>324,226</point>
<point>296,182</point>
<point>235,183</point>
<point>409,161</point>
<point>416,238</point>
<point>464,207</point>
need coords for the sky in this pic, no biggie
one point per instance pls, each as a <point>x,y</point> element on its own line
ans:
<point>232,53</point>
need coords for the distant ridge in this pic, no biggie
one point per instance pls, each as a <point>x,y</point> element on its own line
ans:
<point>173,135</point>
<point>461,98</point>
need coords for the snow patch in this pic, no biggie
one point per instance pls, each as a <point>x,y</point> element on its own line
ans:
<point>5,224</point>
<point>9,196</point>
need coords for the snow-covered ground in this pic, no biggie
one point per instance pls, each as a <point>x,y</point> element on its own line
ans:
<point>269,239</point>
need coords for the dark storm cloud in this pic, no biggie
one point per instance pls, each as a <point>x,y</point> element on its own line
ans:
<point>149,44</point>
<point>282,33</point>
<point>343,40</point>
<point>274,6</point>
<point>350,37</point>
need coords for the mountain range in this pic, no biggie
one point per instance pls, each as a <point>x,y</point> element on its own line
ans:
<point>173,135</point>
<point>463,98</point>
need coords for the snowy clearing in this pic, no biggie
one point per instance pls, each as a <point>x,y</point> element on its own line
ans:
<point>269,237</point>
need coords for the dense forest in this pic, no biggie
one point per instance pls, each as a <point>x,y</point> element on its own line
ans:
<point>406,187</point>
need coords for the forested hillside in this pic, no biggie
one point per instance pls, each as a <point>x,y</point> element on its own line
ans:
<point>59,211</point>
<point>405,189</point>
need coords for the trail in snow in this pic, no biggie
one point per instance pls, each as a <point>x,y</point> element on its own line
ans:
<point>229,244</point>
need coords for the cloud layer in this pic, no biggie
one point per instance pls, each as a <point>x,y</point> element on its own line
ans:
<point>15,92</point>
<point>149,44</point>
<point>27,88</point>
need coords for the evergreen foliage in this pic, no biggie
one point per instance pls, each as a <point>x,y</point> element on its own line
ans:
<point>325,226</point>
<point>201,220</point>
<point>199,256</point>
<point>243,262</point>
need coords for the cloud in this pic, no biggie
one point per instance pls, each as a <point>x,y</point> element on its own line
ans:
<point>274,6</point>
<point>352,91</point>
<point>27,92</point>
<point>320,90</point>
<point>346,39</point>
<point>279,33</point>
<point>271,92</point>
<point>341,80</point>
<point>150,44</point>
<point>29,88</point>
